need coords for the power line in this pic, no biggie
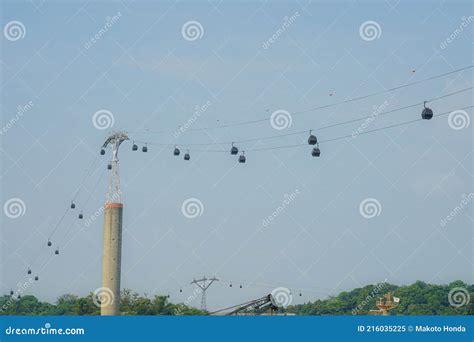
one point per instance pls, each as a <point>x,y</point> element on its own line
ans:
<point>317,107</point>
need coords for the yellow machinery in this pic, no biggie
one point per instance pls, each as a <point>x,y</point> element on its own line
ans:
<point>385,304</point>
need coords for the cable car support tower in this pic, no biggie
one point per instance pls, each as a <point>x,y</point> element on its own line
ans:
<point>112,248</point>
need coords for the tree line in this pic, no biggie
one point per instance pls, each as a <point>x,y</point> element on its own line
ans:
<point>419,298</point>
<point>131,303</point>
<point>416,299</point>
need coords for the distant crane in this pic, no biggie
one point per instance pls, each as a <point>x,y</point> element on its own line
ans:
<point>204,284</point>
<point>250,307</point>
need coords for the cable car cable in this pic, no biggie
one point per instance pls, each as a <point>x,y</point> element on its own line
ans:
<point>333,139</point>
<point>386,90</point>
<point>317,107</point>
<point>74,197</point>
<point>361,133</point>
<point>93,191</point>
<point>88,172</point>
<point>314,129</point>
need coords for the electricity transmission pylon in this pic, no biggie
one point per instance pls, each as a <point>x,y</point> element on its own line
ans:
<point>204,284</point>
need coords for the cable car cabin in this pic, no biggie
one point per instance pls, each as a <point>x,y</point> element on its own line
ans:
<point>19,297</point>
<point>427,113</point>
<point>144,149</point>
<point>81,216</point>
<point>11,292</point>
<point>242,159</point>
<point>56,251</point>
<point>73,205</point>
<point>187,156</point>
<point>234,150</point>
<point>312,140</point>
<point>176,151</point>
<point>49,243</point>
<point>102,152</point>
<point>36,278</point>
<point>316,152</point>
<point>109,167</point>
<point>29,271</point>
<point>134,147</point>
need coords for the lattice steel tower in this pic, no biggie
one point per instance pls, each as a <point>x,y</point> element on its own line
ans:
<point>204,284</point>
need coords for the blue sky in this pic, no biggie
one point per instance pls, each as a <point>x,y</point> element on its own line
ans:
<point>148,76</point>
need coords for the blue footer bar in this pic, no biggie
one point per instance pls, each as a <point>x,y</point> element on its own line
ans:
<point>200,328</point>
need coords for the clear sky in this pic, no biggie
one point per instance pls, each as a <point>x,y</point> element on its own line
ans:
<point>150,75</point>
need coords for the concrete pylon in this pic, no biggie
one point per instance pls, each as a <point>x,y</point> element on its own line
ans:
<point>111,258</point>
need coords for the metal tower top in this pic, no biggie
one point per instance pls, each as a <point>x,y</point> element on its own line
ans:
<point>204,284</point>
<point>114,140</point>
